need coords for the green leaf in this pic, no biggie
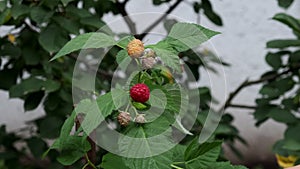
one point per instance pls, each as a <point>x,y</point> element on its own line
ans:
<point>52,4</point>
<point>5,16</point>
<point>19,10</point>
<point>8,78</point>
<point>201,156</point>
<point>282,115</point>
<point>169,23</point>
<point>85,41</point>
<point>224,165</point>
<point>33,100</point>
<point>73,11</point>
<point>112,161</point>
<point>169,57</point>
<point>50,85</point>
<point>11,50</point>
<point>40,15</point>
<point>288,20</point>
<point>210,13</point>
<point>65,2</point>
<point>123,42</point>
<point>152,137</point>
<point>274,60</point>
<point>69,25</point>
<point>283,43</point>
<point>96,111</point>
<point>3,5</point>
<point>26,86</point>
<point>177,99</point>
<point>74,149</point>
<point>285,3</point>
<point>92,21</point>
<point>123,59</point>
<point>161,161</point>
<point>30,56</point>
<point>37,146</point>
<point>31,85</point>
<point>49,127</point>
<point>187,35</point>
<point>53,38</point>
<point>276,88</point>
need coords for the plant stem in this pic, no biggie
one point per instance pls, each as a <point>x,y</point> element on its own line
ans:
<point>85,165</point>
<point>89,162</point>
<point>247,83</point>
<point>176,167</point>
<point>155,23</point>
<point>127,19</point>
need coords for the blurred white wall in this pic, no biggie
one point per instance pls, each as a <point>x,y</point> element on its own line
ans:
<point>247,27</point>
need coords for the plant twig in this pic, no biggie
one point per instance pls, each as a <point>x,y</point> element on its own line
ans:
<point>242,106</point>
<point>155,23</point>
<point>127,19</point>
<point>247,83</point>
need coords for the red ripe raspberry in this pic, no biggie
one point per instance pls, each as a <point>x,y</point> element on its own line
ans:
<point>140,93</point>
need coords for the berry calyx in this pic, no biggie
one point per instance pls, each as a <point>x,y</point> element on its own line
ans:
<point>140,93</point>
<point>124,118</point>
<point>140,118</point>
<point>148,59</point>
<point>135,48</point>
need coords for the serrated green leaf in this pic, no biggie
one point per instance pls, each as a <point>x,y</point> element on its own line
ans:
<point>189,35</point>
<point>169,57</point>
<point>73,149</point>
<point>150,139</point>
<point>224,165</point>
<point>53,38</point>
<point>123,59</point>
<point>96,111</point>
<point>123,42</point>
<point>283,43</point>
<point>201,156</point>
<point>112,161</point>
<point>85,41</point>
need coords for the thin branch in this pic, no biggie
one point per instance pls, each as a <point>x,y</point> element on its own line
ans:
<point>242,106</point>
<point>247,83</point>
<point>127,19</point>
<point>155,23</point>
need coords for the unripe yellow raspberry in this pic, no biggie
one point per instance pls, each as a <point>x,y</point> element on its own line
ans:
<point>135,48</point>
